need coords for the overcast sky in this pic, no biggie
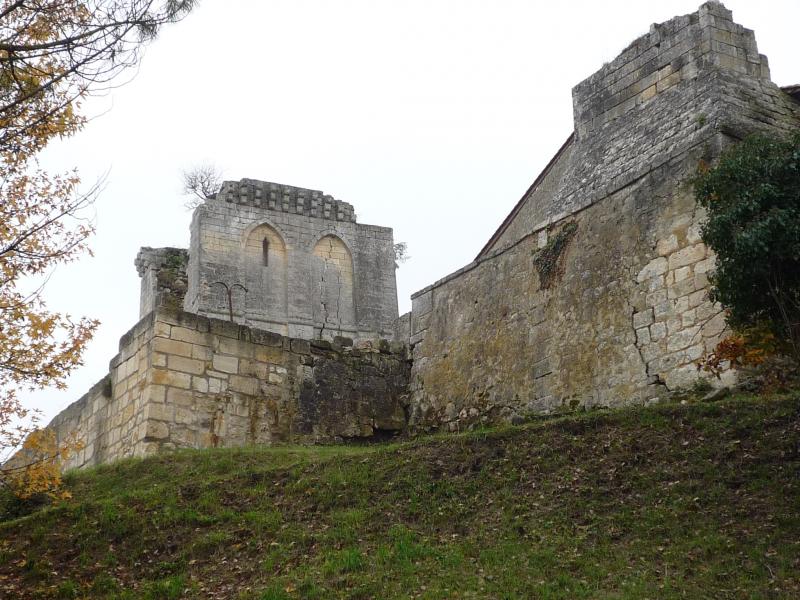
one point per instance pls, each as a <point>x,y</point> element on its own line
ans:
<point>429,116</point>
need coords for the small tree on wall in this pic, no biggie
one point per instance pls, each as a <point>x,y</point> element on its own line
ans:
<point>201,183</point>
<point>752,197</point>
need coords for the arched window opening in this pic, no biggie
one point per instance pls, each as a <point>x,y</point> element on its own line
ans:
<point>265,270</point>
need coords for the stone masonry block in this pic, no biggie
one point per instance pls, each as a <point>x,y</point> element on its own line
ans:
<point>186,365</point>
<point>682,273</point>
<point>266,338</point>
<point>687,256</point>
<point>662,309</point>
<point>300,346</point>
<point>161,412</point>
<point>656,297</point>
<point>683,339</point>
<point>154,393</point>
<point>235,347</point>
<point>226,364</point>
<point>422,304</point>
<point>682,288</point>
<point>658,331</point>
<point>192,336</point>
<point>269,354</point>
<point>172,347</point>
<point>695,352</point>
<point>643,319</point>
<point>217,386</point>
<point>696,299</point>
<point>161,329</point>
<point>715,326</point>
<point>681,305</point>
<point>178,397</point>
<point>668,82</point>
<point>704,266</point>
<point>201,352</point>
<point>667,246</point>
<point>244,385</point>
<point>172,378</point>
<point>156,430</point>
<point>657,266</point>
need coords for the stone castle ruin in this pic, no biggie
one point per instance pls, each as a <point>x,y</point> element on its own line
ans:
<point>295,260</point>
<point>593,291</point>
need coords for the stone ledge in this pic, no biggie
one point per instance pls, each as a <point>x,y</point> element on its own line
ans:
<point>245,333</point>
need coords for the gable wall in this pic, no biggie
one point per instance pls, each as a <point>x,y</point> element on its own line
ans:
<point>626,314</point>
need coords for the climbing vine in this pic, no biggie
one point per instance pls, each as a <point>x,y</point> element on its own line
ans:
<point>547,260</point>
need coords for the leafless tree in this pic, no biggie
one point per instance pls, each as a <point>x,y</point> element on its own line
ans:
<point>400,253</point>
<point>200,184</point>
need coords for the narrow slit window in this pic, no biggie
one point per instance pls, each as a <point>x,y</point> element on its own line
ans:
<point>265,252</point>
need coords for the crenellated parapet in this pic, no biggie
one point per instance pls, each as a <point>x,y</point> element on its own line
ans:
<point>286,198</point>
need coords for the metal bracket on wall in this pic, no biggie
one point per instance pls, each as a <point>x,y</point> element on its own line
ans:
<point>229,291</point>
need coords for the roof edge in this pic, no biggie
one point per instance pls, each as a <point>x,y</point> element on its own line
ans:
<point>505,224</point>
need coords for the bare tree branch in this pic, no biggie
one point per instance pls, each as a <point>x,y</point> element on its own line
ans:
<point>201,183</point>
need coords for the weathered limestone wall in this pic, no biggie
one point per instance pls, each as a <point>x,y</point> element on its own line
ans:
<point>110,418</point>
<point>669,91</point>
<point>594,291</point>
<point>598,323</point>
<point>214,383</point>
<point>310,270</point>
<point>187,381</point>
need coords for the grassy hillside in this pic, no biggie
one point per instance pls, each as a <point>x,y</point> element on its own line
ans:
<point>695,501</point>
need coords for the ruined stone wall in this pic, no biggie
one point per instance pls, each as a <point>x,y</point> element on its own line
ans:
<point>110,418</point>
<point>164,280</point>
<point>309,269</point>
<point>594,291</point>
<point>215,383</point>
<point>186,381</point>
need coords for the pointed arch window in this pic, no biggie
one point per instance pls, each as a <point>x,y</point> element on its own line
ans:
<point>265,252</point>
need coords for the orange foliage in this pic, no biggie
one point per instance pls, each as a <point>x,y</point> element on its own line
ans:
<point>52,53</point>
<point>39,465</point>
<point>747,349</point>
<point>40,227</point>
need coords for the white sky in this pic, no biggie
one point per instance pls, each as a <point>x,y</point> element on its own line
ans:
<point>429,116</point>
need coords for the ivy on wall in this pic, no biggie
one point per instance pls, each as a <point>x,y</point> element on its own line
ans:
<point>547,260</point>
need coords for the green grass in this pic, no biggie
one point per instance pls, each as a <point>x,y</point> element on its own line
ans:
<point>695,501</point>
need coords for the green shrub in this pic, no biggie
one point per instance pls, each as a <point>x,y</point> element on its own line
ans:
<point>752,197</point>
